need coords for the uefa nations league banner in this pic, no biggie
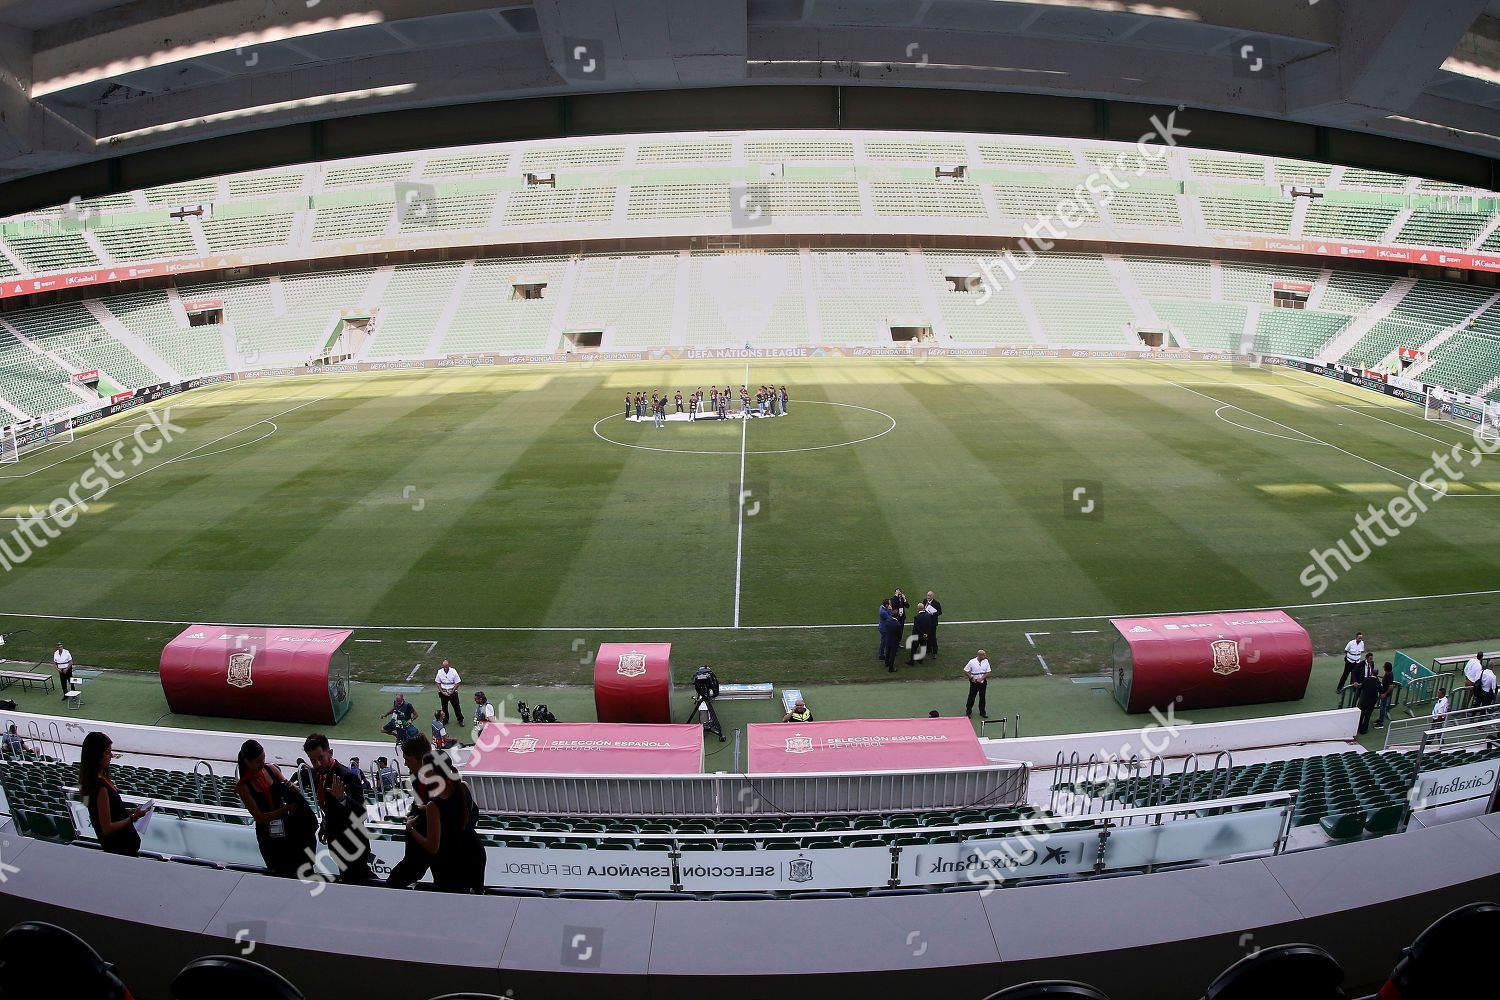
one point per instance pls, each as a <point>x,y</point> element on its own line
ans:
<point>1398,388</point>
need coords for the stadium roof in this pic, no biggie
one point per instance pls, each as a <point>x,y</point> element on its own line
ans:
<point>90,87</point>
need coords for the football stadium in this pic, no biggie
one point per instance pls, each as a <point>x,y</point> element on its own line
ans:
<point>997,497</point>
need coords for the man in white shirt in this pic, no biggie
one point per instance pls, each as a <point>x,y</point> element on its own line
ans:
<point>977,671</point>
<point>1474,668</point>
<point>63,661</point>
<point>1486,687</point>
<point>447,680</point>
<point>1354,656</point>
<point>1440,710</point>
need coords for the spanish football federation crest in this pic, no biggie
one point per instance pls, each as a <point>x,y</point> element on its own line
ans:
<point>239,669</point>
<point>631,664</point>
<point>799,870</point>
<point>522,744</point>
<point>1226,656</point>
<point>799,744</point>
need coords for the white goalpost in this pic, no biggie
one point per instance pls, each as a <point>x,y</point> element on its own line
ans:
<point>1482,415</point>
<point>33,435</point>
<point>1438,405</point>
<point>1489,425</point>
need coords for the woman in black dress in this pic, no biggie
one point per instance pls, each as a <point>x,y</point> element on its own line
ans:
<point>448,834</point>
<point>416,862</point>
<point>114,824</point>
<point>285,827</point>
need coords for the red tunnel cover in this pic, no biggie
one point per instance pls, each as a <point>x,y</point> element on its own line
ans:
<point>245,672</point>
<point>633,682</point>
<point>1210,661</point>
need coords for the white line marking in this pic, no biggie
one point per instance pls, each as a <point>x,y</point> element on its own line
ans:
<point>777,451</point>
<point>1029,635</point>
<point>1085,631</point>
<point>431,644</point>
<point>1045,669</point>
<point>727,628</point>
<point>232,447</point>
<point>739,542</point>
<point>414,671</point>
<point>1375,402</point>
<point>1400,427</point>
<point>82,454</point>
<point>114,486</point>
<point>1294,430</point>
<point>366,640</point>
<point>1256,430</point>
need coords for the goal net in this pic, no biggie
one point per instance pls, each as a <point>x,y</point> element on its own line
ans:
<point>1439,405</point>
<point>1489,424</point>
<point>19,439</point>
<point>1481,415</point>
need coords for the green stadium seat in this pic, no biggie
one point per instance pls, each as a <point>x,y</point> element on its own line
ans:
<point>1384,820</point>
<point>1343,826</point>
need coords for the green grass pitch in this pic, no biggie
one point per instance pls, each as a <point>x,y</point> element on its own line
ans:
<point>515,519</point>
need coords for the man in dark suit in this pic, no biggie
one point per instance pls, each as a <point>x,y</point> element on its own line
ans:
<point>937,612</point>
<point>884,623</point>
<point>1369,697</point>
<point>342,799</point>
<point>890,633</point>
<point>899,604</point>
<point>921,631</point>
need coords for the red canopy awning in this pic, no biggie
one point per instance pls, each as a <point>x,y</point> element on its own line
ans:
<point>863,745</point>
<point>588,748</point>
<point>1211,660</point>
<point>255,672</point>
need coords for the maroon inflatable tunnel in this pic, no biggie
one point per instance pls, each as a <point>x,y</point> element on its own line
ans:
<point>633,682</point>
<point>1210,661</point>
<point>270,674</point>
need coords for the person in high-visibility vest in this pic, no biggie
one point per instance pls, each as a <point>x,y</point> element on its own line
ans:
<point>799,713</point>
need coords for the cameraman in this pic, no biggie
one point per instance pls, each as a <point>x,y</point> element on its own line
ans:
<point>706,683</point>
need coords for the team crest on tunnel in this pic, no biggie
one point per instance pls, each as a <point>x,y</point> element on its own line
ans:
<point>239,670</point>
<point>1226,656</point>
<point>631,664</point>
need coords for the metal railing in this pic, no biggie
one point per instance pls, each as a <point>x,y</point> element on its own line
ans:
<point>1412,732</point>
<point>708,795</point>
<point>1031,834</point>
<point>1072,773</point>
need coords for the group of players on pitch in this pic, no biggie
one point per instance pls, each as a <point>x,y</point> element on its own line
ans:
<point>769,402</point>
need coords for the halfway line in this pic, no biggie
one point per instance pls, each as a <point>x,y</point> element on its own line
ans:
<point>739,544</point>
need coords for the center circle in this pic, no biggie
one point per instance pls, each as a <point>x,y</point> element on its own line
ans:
<point>776,451</point>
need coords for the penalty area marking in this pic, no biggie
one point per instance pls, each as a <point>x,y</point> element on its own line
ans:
<point>1310,437</point>
<point>54,514</point>
<point>1256,430</point>
<point>777,451</point>
<point>223,451</point>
